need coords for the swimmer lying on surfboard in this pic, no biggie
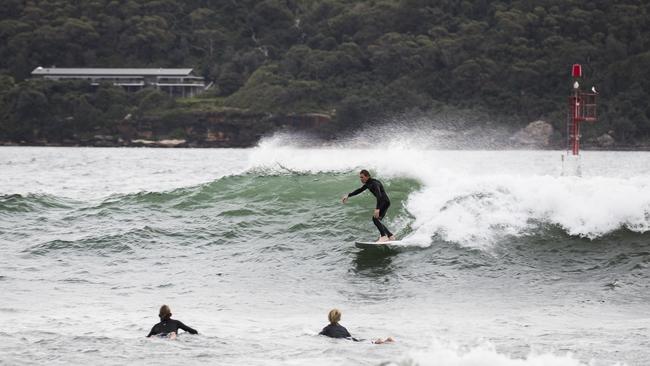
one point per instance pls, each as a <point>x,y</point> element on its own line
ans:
<point>383,202</point>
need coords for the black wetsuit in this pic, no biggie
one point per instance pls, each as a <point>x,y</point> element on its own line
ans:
<point>337,331</point>
<point>170,325</point>
<point>383,202</point>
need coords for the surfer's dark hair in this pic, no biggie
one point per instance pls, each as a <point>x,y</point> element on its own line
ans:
<point>165,312</point>
<point>365,172</point>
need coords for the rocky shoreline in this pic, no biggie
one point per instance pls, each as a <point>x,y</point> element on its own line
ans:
<point>187,129</point>
<point>243,129</point>
<point>116,142</point>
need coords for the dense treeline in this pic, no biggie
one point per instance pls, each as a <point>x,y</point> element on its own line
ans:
<point>363,60</point>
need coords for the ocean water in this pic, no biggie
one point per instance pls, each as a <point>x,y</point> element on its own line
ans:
<point>505,260</point>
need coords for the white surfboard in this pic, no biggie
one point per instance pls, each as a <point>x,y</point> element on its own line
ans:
<point>372,244</point>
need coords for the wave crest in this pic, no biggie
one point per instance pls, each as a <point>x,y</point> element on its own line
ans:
<point>476,198</point>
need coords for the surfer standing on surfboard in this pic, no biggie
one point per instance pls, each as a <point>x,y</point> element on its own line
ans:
<point>383,202</point>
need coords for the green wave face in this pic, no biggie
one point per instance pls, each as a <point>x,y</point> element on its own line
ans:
<point>237,209</point>
<point>16,203</point>
<point>289,208</point>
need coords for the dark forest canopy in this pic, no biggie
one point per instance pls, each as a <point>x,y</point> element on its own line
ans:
<point>363,59</point>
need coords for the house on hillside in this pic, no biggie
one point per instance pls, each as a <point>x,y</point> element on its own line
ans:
<point>175,82</point>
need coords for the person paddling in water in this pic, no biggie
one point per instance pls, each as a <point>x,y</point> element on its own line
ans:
<point>168,327</point>
<point>383,202</point>
<point>336,330</point>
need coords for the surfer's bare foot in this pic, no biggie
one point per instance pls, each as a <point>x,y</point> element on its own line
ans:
<point>382,239</point>
<point>392,238</point>
<point>380,341</point>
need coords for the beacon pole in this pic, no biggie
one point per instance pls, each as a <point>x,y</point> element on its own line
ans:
<point>582,108</point>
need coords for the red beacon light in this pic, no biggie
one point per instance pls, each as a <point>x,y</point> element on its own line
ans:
<point>582,108</point>
<point>576,71</point>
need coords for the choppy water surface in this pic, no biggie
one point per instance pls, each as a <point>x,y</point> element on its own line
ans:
<point>505,262</point>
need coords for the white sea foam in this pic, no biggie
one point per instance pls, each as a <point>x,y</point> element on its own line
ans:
<point>440,353</point>
<point>476,210</point>
<point>477,197</point>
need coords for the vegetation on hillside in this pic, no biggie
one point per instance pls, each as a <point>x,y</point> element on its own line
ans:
<point>361,60</point>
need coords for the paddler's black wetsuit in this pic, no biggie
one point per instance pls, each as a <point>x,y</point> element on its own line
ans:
<point>337,331</point>
<point>383,203</point>
<point>170,325</point>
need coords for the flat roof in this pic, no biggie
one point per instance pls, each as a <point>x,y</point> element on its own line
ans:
<point>96,72</point>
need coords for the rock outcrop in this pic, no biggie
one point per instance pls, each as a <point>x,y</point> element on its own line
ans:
<point>605,140</point>
<point>536,134</point>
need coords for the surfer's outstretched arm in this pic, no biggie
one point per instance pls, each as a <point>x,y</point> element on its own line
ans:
<point>186,328</point>
<point>353,193</point>
<point>357,191</point>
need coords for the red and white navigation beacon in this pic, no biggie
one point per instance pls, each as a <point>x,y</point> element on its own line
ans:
<point>582,108</point>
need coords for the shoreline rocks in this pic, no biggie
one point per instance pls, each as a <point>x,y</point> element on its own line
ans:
<point>535,134</point>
